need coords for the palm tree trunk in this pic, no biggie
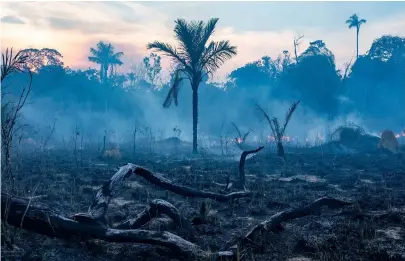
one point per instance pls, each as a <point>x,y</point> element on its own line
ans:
<point>101,73</point>
<point>357,42</point>
<point>105,72</point>
<point>280,149</point>
<point>195,115</point>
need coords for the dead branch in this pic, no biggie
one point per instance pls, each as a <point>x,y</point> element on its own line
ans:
<point>237,129</point>
<point>242,165</point>
<point>155,208</point>
<point>43,220</point>
<point>11,64</point>
<point>240,184</point>
<point>164,183</point>
<point>241,138</point>
<point>278,132</point>
<point>98,208</point>
<point>347,68</point>
<point>259,232</point>
<point>97,211</point>
<point>266,116</point>
<point>296,44</point>
<point>290,111</point>
<point>11,110</point>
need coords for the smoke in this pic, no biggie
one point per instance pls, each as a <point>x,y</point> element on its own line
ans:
<point>217,107</point>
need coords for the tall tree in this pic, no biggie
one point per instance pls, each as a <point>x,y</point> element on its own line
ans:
<point>153,67</point>
<point>104,56</point>
<point>194,57</point>
<point>355,21</point>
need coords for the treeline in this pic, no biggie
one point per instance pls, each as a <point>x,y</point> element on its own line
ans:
<point>372,85</point>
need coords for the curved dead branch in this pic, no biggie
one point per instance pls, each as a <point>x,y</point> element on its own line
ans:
<point>258,232</point>
<point>155,208</point>
<point>242,164</point>
<point>98,208</point>
<point>164,183</point>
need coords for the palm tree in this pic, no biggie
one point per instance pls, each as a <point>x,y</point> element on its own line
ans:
<point>194,58</point>
<point>104,56</point>
<point>355,21</point>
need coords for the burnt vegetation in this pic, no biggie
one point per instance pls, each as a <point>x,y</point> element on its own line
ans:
<point>237,199</point>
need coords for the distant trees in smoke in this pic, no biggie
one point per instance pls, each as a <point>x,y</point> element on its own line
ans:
<point>372,84</point>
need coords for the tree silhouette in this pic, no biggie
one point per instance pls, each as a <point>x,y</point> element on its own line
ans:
<point>193,58</point>
<point>104,56</point>
<point>355,21</point>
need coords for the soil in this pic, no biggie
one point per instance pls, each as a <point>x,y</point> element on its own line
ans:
<point>373,228</point>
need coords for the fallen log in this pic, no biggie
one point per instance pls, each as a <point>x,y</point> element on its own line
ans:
<point>41,219</point>
<point>164,183</point>
<point>98,208</point>
<point>155,208</point>
<point>97,211</point>
<point>259,232</point>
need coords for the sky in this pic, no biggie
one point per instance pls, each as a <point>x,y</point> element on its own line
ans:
<point>256,28</point>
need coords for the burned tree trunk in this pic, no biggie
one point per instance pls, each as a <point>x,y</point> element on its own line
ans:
<point>242,161</point>
<point>280,149</point>
<point>257,234</point>
<point>43,220</point>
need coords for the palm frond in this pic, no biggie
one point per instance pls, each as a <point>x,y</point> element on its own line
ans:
<point>277,130</point>
<point>184,34</point>
<point>169,51</point>
<point>172,95</point>
<point>208,30</point>
<point>94,59</point>
<point>260,109</point>
<point>115,59</point>
<point>237,129</point>
<point>216,54</point>
<point>290,111</point>
<point>189,36</point>
<point>247,134</point>
<point>202,34</point>
<point>12,63</point>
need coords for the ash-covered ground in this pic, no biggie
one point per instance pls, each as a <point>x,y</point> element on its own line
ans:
<point>372,227</point>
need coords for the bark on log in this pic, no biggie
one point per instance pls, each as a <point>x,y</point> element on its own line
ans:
<point>43,220</point>
<point>274,222</point>
<point>164,183</point>
<point>98,209</point>
<point>155,208</point>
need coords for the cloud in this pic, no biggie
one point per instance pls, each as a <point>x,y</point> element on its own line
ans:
<point>9,19</point>
<point>72,27</point>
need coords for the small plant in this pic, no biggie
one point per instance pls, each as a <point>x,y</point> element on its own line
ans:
<point>241,138</point>
<point>11,110</point>
<point>276,129</point>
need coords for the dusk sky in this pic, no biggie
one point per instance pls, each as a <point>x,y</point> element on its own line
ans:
<point>256,28</point>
